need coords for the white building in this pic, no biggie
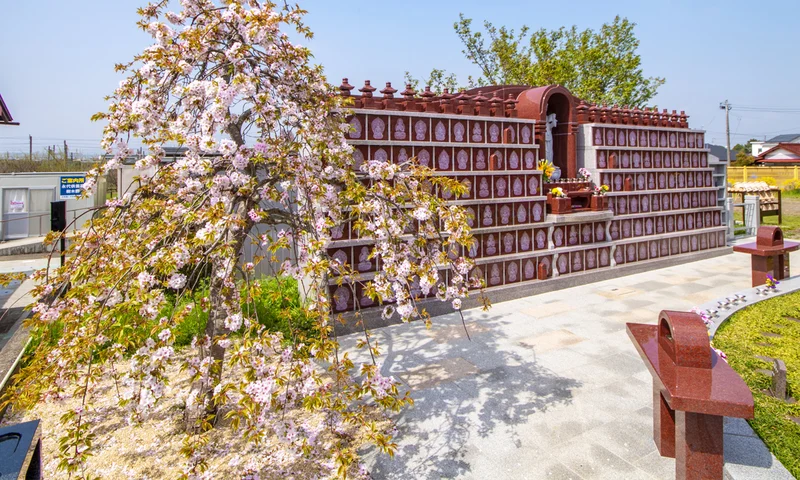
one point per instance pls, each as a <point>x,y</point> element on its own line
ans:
<point>761,147</point>
<point>26,201</point>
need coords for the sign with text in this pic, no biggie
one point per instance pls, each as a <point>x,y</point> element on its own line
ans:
<point>72,185</point>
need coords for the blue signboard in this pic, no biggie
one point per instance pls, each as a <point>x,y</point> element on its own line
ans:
<point>72,185</point>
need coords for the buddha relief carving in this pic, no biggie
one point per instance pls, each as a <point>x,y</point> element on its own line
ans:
<point>458,132</point>
<point>420,130</point>
<point>477,133</point>
<point>525,242</point>
<point>508,243</point>
<point>378,127</point>
<point>526,134</point>
<point>491,245</point>
<point>462,160</point>
<point>355,128</point>
<point>399,130</point>
<point>480,160</point>
<point>495,277</point>
<point>530,270</point>
<point>512,272</point>
<point>494,133</point>
<point>440,132</point>
<point>341,297</point>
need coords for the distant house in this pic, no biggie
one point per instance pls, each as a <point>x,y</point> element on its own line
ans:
<point>5,115</point>
<point>781,154</point>
<point>720,152</point>
<point>761,147</point>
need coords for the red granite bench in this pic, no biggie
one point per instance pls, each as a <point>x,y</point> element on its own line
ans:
<point>693,389</point>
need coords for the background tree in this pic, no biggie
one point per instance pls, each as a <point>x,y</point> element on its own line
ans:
<point>438,80</point>
<point>747,147</point>
<point>743,159</point>
<point>265,143</point>
<point>598,66</point>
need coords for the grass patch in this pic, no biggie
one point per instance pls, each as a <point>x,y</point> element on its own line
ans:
<point>738,338</point>
<point>790,225</point>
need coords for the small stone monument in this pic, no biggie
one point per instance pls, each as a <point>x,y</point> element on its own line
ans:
<point>778,389</point>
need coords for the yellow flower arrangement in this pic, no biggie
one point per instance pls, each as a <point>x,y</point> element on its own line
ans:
<point>558,192</point>
<point>547,169</point>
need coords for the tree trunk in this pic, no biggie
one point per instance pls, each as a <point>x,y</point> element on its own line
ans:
<point>201,392</point>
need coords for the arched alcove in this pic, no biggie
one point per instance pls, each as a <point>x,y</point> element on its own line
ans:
<point>559,104</point>
<point>537,103</point>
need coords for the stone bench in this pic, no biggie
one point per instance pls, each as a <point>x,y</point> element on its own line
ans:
<point>693,390</point>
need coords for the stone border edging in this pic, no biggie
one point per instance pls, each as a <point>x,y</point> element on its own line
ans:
<point>788,285</point>
<point>12,353</point>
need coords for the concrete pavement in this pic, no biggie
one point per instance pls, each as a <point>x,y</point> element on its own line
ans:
<point>550,386</point>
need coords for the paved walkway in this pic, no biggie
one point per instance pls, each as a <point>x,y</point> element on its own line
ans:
<point>550,386</point>
<point>16,296</point>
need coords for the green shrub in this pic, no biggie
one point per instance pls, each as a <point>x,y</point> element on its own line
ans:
<point>769,180</point>
<point>194,324</point>
<point>791,187</point>
<point>275,304</point>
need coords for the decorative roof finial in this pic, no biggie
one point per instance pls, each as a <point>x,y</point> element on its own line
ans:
<point>345,87</point>
<point>409,92</point>
<point>367,89</point>
<point>388,92</point>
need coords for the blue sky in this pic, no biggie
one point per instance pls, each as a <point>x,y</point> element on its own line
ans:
<point>57,57</point>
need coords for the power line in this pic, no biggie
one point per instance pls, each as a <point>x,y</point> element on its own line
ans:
<point>755,108</point>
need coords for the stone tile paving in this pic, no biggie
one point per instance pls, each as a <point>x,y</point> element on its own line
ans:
<point>550,386</point>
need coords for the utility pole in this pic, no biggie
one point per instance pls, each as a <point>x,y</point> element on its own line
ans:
<point>30,147</point>
<point>66,149</point>
<point>727,107</point>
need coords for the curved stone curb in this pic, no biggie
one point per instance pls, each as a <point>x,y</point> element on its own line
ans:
<point>746,455</point>
<point>787,285</point>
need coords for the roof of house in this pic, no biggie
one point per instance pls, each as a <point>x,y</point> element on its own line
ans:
<point>785,138</point>
<point>721,152</point>
<point>789,147</point>
<point>5,115</point>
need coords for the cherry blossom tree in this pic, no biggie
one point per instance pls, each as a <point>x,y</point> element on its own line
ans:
<point>264,138</point>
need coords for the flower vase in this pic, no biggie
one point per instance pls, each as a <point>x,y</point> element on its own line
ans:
<point>599,203</point>
<point>556,176</point>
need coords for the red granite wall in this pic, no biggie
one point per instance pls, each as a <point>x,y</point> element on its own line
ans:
<point>490,139</point>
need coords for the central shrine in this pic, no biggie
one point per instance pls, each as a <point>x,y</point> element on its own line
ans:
<point>662,200</point>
